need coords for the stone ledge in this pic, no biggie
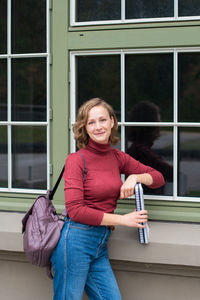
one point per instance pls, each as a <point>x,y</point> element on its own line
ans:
<point>169,243</point>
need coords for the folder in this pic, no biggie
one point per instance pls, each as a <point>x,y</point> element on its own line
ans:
<point>139,199</point>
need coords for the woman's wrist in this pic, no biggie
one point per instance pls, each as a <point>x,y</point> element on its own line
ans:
<point>145,178</point>
<point>112,219</point>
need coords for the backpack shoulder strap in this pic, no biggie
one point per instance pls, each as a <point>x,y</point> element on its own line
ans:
<point>85,169</point>
<point>52,192</point>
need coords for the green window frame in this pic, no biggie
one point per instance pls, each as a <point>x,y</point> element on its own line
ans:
<point>128,11</point>
<point>25,126</point>
<point>160,202</point>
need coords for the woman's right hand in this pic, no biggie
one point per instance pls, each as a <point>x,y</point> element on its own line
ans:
<point>135,218</point>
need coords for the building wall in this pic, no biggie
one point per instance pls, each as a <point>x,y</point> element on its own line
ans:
<point>167,268</point>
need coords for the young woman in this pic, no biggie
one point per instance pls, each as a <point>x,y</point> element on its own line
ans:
<point>80,260</point>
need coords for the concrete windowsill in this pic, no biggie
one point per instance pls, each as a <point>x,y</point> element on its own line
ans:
<point>169,243</point>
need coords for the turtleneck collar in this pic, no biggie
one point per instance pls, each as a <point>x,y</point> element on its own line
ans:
<point>96,147</point>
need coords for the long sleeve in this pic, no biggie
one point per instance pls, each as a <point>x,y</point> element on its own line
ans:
<point>87,200</point>
<point>128,166</point>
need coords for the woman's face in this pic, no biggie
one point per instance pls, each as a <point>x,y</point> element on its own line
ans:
<point>99,124</point>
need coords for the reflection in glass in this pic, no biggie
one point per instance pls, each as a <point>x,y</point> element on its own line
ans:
<point>3,157</point>
<point>139,9</point>
<point>98,10</point>
<point>28,26</point>
<point>29,157</point>
<point>29,89</point>
<point>118,145</point>
<point>149,77</point>
<point>3,90</point>
<point>188,8</point>
<point>189,162</point>
<point>153,146</point>
<point>3,26</point>
<point>99,76</point>
<point>189,87</point>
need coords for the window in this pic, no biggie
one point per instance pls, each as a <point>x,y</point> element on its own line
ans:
<point>24,96</point>
<point>128,11</point>
<point>155,95</point>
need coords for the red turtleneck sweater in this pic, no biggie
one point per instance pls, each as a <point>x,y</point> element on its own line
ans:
<point>87,201</point>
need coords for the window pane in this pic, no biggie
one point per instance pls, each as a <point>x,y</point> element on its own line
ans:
<point>189,87</point>
<point>3,26</point>
<point>118,145</point>
<point>28,26</point>
<point>29,89</point>
<point>95,10</point>
<point>153,146</point>
<point>3,157</point>
<point>139,9</point>
<point>188,8</point>
<point>149,77</point>
<point>3,90</point>
<point>99,76</point>
<point>29,157</point>
<point>189,162</point>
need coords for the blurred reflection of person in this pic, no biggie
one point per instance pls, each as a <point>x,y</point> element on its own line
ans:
<point>142,139</point>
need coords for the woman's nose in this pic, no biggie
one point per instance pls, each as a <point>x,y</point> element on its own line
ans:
<point>98,125</point>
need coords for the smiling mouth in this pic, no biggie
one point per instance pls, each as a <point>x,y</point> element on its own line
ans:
<point>100,133</point>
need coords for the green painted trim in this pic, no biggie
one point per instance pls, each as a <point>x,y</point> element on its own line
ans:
<point>135,25</point>
<point>121,36</point>
<point>135,38</point>
<point>59,93</point>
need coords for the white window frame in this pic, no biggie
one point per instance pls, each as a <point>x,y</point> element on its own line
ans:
<point>9,123</point>
<point>122,124</point>
<point>73,21</point>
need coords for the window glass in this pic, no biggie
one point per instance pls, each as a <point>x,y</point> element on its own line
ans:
<point>29,89</point>
<point>149,78</point>
<point>139,9</point>
<point>3,26</point>
<point>188,8</point>
<point>3,90</point>
<point>29,157</point>
<point>3,157</point>
<point>189,87</point>
<point>99,76</point>
<point>118,145</point>
<point>28,26</point>
<point>189,162</point>
<point>95,10</point>
<point>153,146</point>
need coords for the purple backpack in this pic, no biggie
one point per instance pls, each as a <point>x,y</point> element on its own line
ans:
<point>42,228</point>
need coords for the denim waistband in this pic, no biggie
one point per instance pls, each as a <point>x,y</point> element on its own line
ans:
<point>77,224</point>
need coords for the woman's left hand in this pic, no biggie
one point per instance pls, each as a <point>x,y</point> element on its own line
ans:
<point>127,189</point>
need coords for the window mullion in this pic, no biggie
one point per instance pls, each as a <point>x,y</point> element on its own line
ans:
<point>123,16</point>
<point>176,9</point>
<point>122,57</point>
<point>73,100</point>
<point>175,131</point>
<point>72,12</point>
<point>9,94</point>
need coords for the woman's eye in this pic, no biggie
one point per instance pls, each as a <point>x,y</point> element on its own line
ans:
<point>90,123</point>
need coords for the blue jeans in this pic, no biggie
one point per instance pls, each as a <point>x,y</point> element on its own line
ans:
<point>80,262</point>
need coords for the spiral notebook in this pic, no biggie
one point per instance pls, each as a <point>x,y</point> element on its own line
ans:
<point>139,199</point>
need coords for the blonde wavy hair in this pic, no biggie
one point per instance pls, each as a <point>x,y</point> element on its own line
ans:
<point>79,128</point>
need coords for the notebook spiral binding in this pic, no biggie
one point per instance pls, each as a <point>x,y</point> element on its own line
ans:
<point>139,198</point>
